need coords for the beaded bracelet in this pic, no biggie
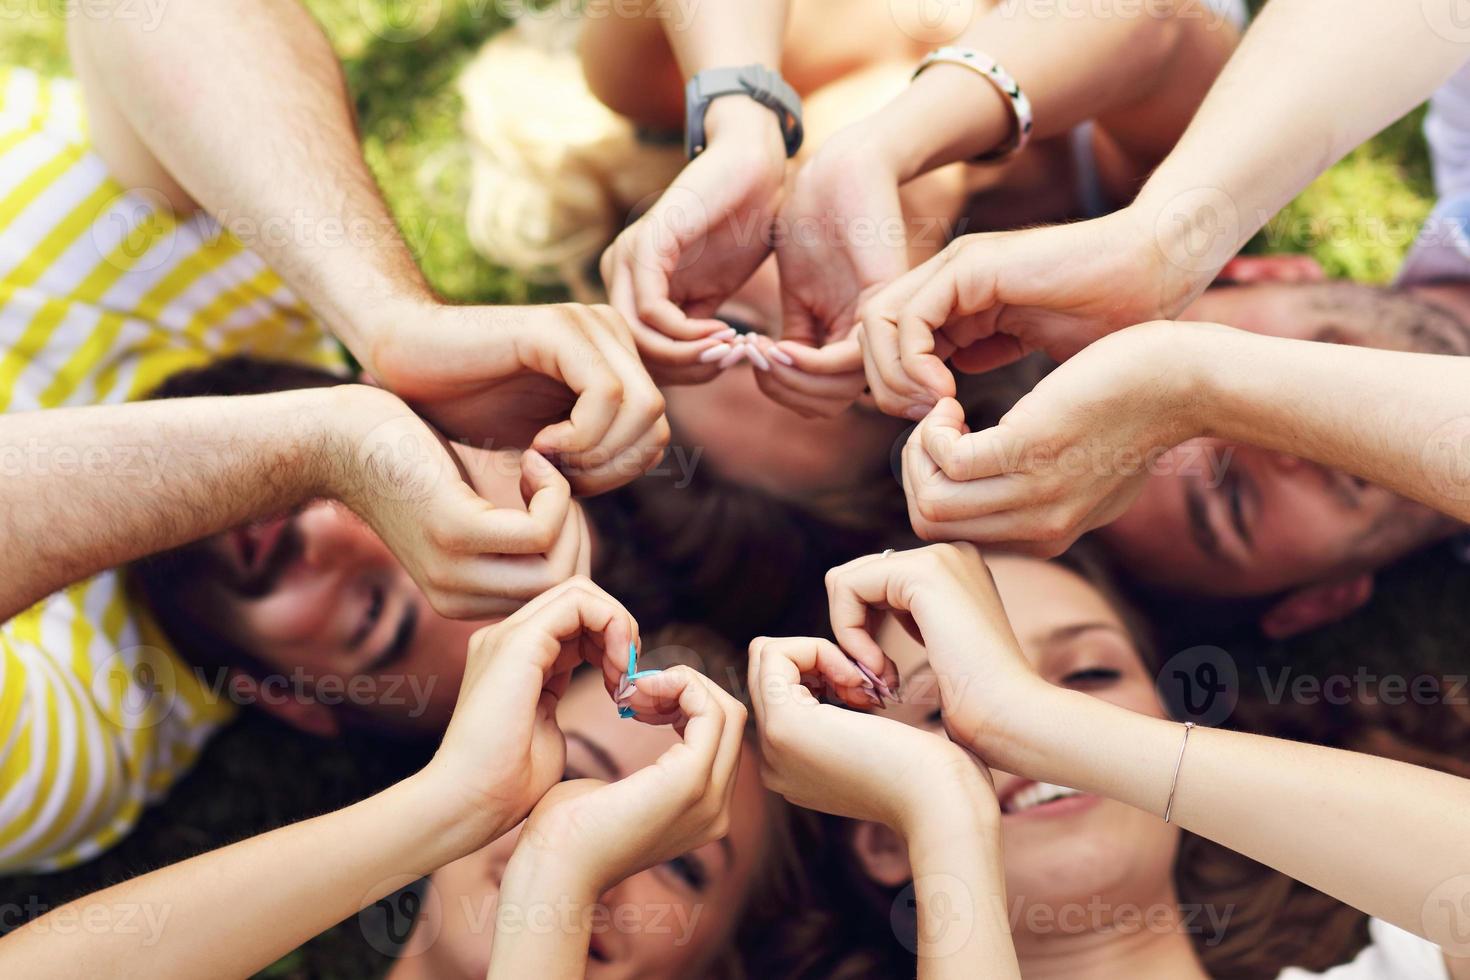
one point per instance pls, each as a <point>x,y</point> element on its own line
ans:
<point>989,69</point>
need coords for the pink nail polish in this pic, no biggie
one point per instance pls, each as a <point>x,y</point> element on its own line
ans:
<point>714,353</point>
<point>781,357</point>
<point>756,357</point>
<point>726,334</point>
<point>734,357</point>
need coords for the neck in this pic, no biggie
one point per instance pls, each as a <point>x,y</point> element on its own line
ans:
<point>1151,943</point>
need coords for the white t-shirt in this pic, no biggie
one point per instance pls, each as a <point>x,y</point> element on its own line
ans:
<point>1392,954</point>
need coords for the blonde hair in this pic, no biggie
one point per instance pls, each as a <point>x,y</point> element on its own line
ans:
<point>554,172</point>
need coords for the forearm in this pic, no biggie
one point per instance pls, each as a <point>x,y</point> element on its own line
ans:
<point>1395,419</point>
<point>1377,834</point>
<point>959,888</point>
<point>1088,67</point>
<point>543,919</point>
<point>266,142</point>
<point>86,489</point>
<point>1311,80</point>
<point>234,911</point>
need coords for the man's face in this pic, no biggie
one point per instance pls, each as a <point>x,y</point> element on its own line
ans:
<point>318,597</point>
<point>1230,520</point>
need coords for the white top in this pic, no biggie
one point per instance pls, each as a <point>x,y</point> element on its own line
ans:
<point>1392,954</point>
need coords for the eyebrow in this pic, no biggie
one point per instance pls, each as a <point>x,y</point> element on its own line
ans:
<point>1064,634</point>
<point>599,753</point>
<point>398,646</point>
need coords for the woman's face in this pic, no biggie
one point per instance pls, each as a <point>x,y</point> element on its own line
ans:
<point>669,921</point>
<point>749,439</point>
<point>1068,857</point>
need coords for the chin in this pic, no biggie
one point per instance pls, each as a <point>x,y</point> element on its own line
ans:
<point>1108,854</point>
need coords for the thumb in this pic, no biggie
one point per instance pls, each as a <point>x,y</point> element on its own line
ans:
<point>973,456</point>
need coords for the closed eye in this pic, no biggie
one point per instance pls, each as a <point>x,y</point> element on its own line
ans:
<point>1092,678</point>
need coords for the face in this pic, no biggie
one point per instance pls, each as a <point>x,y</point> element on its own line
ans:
<point>749,439</point>
<point>669,921</point>
<point>1062,849</point>
<point>317,595</point>
<point>1223,519</point>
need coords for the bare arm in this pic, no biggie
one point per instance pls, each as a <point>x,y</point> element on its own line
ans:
<point>90,488</point>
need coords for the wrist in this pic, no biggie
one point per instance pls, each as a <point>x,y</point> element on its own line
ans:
<point>447,828</point>
<point>739,123</point>
<point>945,115</point>
<point>385,331</point>
<point>955,799</point>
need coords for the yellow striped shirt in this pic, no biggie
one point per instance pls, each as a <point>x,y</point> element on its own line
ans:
<point>102,296</point>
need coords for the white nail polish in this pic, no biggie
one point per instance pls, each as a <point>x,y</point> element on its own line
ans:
<point>782,357</point>
<point>715,353</point>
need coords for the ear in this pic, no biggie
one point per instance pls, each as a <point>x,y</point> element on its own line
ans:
<point>882,853</point>
<point>1317,605</point>
<point>310,717</point>
<point>1273,268</point>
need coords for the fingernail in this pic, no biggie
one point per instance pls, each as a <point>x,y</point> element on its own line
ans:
<point>624,712</point>
<point>757,358</point>
<point>877,701</point>
<point>714,353</point>
<point>734,358</point>
<point>916,413</point>
<point>624,689</point>
<point>781,357</point>
<point>724,334</point>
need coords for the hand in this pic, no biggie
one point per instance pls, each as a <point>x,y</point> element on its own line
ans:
<point>603,832</point>
<point>670,270</point>
<point>503,750</point>
<point>1070,456</point>
<point>480,532</point>
<point>944,597</point>
<point>845,762</point>
<point>987,300</point>
<point>842,235</point>
<point>563,379</point>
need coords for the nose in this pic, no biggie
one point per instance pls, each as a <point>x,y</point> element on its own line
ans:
<point>332,536</point>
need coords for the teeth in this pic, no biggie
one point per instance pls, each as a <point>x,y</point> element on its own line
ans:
<point>1036,794</point>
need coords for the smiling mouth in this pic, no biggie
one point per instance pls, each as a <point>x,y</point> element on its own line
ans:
<point>1037,796</point>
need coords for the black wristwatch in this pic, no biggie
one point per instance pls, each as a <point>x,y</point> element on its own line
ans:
<point>756,81</point>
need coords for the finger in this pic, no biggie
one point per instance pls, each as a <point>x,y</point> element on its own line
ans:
<point>842,357</point>
<point>894,391</point>
<point>935,303</point>
<point>581,366</point>
<point>623,467</point>
<point>651,272</point>
<point>820,661</point>
<point>963,455</point>
<point>855,589</point>
<point>988,354</point>
<point>567,612</point>
<point>813,395</point>
<point>640,406</point>
<point>686,693</point>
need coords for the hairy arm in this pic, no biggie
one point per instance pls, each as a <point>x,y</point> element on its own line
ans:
<point>90,488</point>
<point>265,141</point>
